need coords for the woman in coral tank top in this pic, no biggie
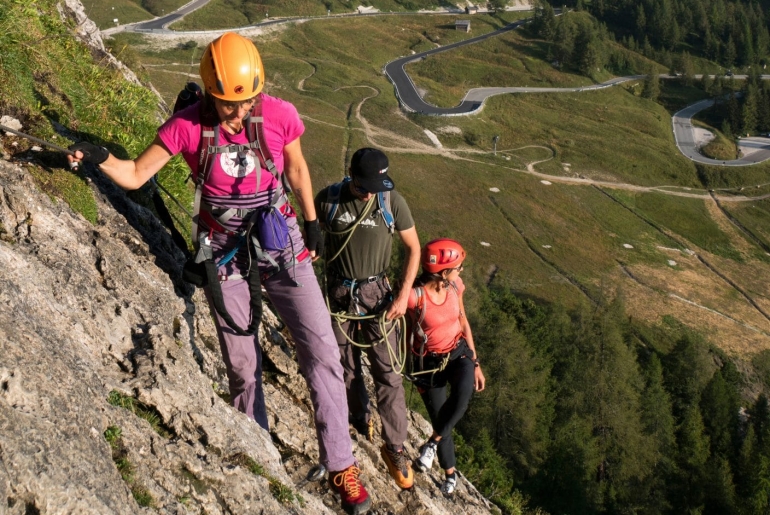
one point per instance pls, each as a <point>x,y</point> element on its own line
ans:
<point>442,352</point>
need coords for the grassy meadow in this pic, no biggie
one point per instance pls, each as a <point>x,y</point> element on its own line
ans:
<point>565,242</point>
<point>219,14</point>
<point>606,285</point>
<point>128,11</point>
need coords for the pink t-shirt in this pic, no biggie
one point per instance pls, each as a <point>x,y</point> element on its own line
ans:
<point>233,173</point>
<point>442,321</point>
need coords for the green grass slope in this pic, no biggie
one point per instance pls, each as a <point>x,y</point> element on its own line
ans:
<point>219,14</point>
<point>128,11</point>
<point>567,243</point>
<point>53,85</point>
<point>585,200</point>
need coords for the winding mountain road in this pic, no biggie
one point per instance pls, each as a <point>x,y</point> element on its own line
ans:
<point>684,135</point>
<point>473,102</point>
<point>411,100</point>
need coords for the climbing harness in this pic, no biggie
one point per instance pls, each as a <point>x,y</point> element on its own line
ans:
<point>266,228</point>
<point>399,355</point>
<point>417,336</point>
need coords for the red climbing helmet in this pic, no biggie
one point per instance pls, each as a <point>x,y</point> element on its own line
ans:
<point>440,254</point>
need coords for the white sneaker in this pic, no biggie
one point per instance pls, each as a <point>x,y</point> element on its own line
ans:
<point>427,454</point>
<point>449,485</point>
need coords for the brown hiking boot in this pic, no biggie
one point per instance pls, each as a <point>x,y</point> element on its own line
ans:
<point>365,428</point>
<point>355,498</point>
<point>370,430</point>
<point>398,466</point>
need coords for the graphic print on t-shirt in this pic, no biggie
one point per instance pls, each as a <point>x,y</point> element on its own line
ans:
<point>370,221</point>
<point>237,164</point>
<point>346,218</point>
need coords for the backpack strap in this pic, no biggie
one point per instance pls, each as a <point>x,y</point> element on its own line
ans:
<point>383,200</point>
<point>209,139</point>
<point>256,134</point>
<point>419,317</point>
<point>209,145</point>
<point>333,200</point>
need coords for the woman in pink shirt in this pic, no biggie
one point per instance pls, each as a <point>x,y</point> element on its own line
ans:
<point>252,143</point>
<point>443,352</point>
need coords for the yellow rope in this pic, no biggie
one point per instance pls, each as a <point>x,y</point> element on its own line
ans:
<point>399,356</point>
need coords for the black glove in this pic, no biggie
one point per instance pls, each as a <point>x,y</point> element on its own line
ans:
<point>91,153</point>
<point>314,238</point>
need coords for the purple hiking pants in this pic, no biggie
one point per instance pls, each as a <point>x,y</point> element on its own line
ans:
<point>304,312</point>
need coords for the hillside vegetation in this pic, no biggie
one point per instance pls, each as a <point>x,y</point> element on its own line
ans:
<point>622,322</point>
<point>690,287</point>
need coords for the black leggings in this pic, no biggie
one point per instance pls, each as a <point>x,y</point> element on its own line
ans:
<point>445,412</point>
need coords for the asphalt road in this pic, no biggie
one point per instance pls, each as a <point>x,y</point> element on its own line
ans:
<point>407,92</point>
<point>684,134</point>
<point>160,23</point>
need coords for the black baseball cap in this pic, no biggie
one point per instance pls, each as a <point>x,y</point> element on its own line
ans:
<point>369,167</point>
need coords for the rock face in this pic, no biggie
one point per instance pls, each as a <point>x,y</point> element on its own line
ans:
<point>111,381</point>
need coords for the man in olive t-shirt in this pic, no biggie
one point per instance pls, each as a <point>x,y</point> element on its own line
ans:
<point>358,285</point>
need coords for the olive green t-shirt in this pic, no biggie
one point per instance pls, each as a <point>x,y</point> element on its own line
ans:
<point>368,252</point>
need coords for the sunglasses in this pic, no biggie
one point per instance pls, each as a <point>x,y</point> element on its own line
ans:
<point>233,105</point>
<point>359,189</point>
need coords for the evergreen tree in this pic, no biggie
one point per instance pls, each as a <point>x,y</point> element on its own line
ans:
<point>706,83</point>
<point>688,493</point>
<point>641,23</point>
<point>734,112</point>
<point>564,38</point>
<point>651,88</point>
<point>760,418</point>
<point>567,482</point>
<point>687,370</point>
<point>647,50</point>
<point>517,407</point>
<point>544,22</point>
<point>720,415</point>
<point>600,391</point>
<point>759,501</point>
<point>763,110</point>
<point>483,466</point>
<point>719,498</point>
<point>747,53</point>
<point>750,110</point>
<point>717,89</point>
<point>587,53</point>
<point>688,72</point>
<point>659,424</point>
<point>747,470</point>
<point>730,53</point>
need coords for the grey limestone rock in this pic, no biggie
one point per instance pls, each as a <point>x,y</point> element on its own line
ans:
<point>99,336</point>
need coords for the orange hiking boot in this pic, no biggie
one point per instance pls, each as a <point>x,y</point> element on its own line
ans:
<point>355,498</point>
<point>398,466</point>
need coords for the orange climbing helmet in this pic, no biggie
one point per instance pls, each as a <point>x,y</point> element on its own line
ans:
<point>440,254</point>
<point>231,68</point>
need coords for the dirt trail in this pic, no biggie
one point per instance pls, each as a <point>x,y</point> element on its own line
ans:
<point>408,145</point>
